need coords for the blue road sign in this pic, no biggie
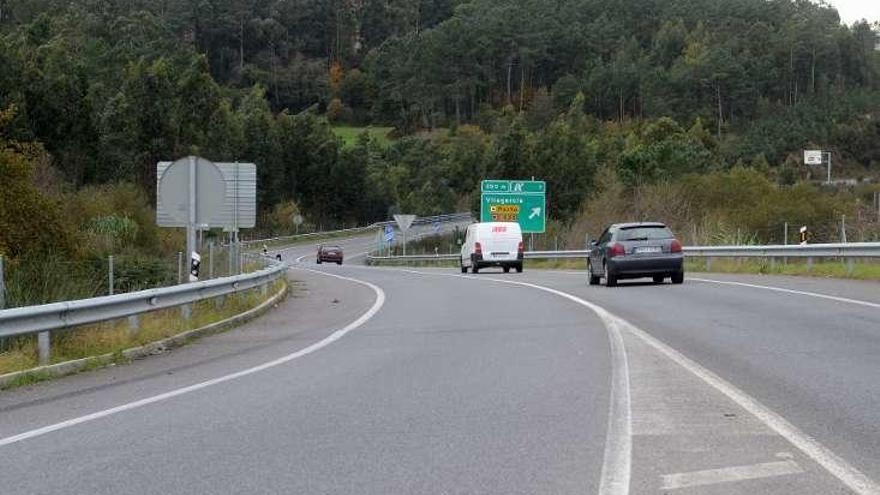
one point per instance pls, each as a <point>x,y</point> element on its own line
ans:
<point>389,233</point>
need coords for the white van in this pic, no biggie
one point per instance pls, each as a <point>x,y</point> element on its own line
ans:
<point>492,244</point>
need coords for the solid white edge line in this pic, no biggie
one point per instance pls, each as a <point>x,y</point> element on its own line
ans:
<point>849,475</point>
<point>788,291</point>
<point>854,479</point>
<point>338,334</point>
<point>617,457</point>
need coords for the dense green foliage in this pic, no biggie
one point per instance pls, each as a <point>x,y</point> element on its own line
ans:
<point>654,91</point>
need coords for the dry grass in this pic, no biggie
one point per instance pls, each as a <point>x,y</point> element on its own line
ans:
<point>115,336</point>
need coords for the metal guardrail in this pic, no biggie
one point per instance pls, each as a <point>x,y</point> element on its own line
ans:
<point>450,217</point>
<point>848,251</point>
<point>45,318</point>
<point>837,250</point>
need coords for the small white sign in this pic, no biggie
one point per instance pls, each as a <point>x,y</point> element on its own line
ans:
<point>813,157</point>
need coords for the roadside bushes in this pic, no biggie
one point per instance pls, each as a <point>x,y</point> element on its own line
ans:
<point>736,206</point>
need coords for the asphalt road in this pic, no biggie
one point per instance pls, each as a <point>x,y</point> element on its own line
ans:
<point>426,381</point>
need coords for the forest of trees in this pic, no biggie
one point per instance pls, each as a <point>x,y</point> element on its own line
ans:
<point>94,92</point>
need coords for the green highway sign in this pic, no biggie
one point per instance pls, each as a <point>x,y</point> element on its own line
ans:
<point>515,201</point>
<point>513,186</point>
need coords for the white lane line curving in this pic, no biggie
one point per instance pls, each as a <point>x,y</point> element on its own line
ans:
<point>338,334</point>
<point>854,479</point>
<point>729,474</point>
<point>788,291</point>
<point>849,475</point>
<point>617,458</point>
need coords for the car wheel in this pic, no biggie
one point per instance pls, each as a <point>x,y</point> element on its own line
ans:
<point>658,279</point>
<point>506,269</point>
<point>463,269</point>
<point>519,268</point>
<point>319,261</point>
<point>678,278</point>
<point>475,269</point>
<point>339,262</point>
<point>610,280</point>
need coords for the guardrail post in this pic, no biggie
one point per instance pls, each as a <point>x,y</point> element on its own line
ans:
<point>850,266</point>
<point>264,289</point>
<point>43,345</point>
<point>186,312</point>
<point>708,263</point>
<point>810,264</point>
<point>179,267</point>
<point>134,324</point>
<point>211,260</point>
<point>772,263</point>
<point>219,302</point>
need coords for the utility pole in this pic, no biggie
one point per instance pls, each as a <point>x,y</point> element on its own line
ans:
<point>191,224</point>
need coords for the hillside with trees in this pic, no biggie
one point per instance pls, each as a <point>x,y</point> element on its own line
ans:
<point>648,98</point>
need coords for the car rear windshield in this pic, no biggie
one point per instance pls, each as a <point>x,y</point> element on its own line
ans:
<point>645,233</point>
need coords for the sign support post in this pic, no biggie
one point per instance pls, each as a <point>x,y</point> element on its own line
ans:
<point>404,222</point>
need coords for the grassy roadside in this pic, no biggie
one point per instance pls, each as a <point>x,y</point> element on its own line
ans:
<point>827,269</point>
<point>115,336</point>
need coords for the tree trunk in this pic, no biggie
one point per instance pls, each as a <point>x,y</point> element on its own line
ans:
<point>241,44</point>
<point>791,82</point>
<point>473,101</point>
<point>522,84</point>
<point>457,109</point>
<point>720,110</point>
<point>509,73</point>
<point>813,72</point>
<point>621,110</point>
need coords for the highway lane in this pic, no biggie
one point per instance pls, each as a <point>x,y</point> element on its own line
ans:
<point>813,360</point>
<point>441,391</point>
<point>476,385</point>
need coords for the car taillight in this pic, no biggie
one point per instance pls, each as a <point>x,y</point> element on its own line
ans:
<point>478,249</point>
<point>520,248</point>
<point>617,250</point>
<point>675,247</point>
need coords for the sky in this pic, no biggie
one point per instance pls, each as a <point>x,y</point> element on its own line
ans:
<point>853,10</point>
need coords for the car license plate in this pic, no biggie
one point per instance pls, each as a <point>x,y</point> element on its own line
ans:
<point>648,249</point>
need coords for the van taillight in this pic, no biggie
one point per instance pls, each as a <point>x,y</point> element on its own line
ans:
<point>617,250</point>
<point>520,248</point>
<point>675,247</point>
<point>478,249</point>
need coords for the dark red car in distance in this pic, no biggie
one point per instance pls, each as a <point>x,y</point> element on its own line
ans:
<point>330,254</point>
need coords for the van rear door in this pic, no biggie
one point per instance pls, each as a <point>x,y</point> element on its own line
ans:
<point>500,241</point>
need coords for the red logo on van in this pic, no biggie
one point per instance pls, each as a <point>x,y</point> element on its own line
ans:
<point>499,228</point>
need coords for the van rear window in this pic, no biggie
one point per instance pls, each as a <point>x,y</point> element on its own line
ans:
<point>644,233</point>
